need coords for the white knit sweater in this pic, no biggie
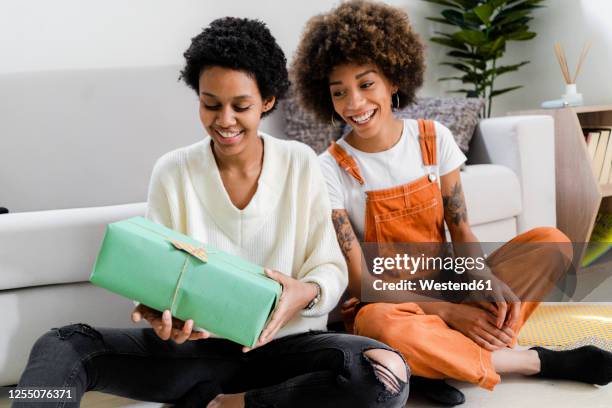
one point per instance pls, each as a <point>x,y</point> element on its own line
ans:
<point>286,226</point>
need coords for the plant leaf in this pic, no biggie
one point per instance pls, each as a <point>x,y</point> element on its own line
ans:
<point>504,90</point>
<point>463,54</point>
<point>449,43</point>
<point>476,79</point>
<point>524,2</point>
<point>509,29</point>
<point>474,59</point>
<point>472,19</point>
<point>498,3</point>
<point>505,68</point>
<point>477,64</point>
<point>484,12</point>
<point>459,66</point>
<point>514,2</point>
<point>454,17</point>
<point>491,48</point>
<point>524,6</point>
<point>469,93</point>
<point>472,37</point>
<point>510,18</point>
<point>440,20</point>
<point>467,4</point>
<point>522,36</point>
<point>462,20</point>
<point>447,35</point>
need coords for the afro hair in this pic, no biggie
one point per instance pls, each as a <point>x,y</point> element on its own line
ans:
<point>240,44</point>
<point>359,32</point>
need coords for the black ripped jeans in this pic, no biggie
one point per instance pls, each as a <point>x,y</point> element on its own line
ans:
<point>314,369</point>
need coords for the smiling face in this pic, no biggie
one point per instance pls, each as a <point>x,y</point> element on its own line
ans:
<point>361,95</point>
<point>231,108</point>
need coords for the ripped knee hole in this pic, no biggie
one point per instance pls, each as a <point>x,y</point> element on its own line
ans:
<point>389,368</point>
<point>66,331</point>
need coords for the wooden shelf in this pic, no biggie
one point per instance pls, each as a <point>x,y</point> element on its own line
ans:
<point>594,108</point>
<point>579,195</point>
<point>606,190</point>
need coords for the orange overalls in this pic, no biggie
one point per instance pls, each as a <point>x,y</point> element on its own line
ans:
<point>414,212</point>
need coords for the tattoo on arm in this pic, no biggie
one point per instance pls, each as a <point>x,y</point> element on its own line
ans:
<point>344,232</point>
<point>454,205</point>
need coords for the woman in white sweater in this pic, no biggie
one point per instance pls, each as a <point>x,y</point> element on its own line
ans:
<point>259,198</point>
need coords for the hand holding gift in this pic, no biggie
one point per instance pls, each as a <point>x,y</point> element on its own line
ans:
<point>166,326</point>
<point>295,296</point>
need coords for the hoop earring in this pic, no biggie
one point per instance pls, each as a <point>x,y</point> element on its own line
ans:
<point>393,99</point>
<point>333,122</point>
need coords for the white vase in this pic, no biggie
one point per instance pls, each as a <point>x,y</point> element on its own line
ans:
<point>571,95</point>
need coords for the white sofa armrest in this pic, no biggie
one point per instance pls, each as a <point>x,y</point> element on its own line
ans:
<point>525,144</point>
<point>57,246</point>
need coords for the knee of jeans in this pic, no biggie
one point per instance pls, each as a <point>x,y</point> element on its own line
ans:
<point>389,368</point>
<point>78,338</point>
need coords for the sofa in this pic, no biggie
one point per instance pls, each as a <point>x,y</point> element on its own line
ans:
<point>79,159</point>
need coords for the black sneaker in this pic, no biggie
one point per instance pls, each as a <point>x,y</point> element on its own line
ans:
<point>437,391</point>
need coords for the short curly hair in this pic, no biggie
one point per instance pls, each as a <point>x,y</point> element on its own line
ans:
<point>359,32</point>
<point>241,44</point>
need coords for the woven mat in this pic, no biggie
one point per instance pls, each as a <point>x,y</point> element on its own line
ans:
<point>568,326</point>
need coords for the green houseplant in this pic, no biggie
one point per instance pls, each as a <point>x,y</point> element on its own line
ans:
<point>482,29</point>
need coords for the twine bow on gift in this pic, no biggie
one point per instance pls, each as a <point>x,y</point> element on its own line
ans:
<point>197,252</point>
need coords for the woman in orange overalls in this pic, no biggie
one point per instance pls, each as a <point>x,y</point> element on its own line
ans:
<point>393,180</point>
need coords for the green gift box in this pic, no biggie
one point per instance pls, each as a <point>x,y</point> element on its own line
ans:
<point>163,269</point>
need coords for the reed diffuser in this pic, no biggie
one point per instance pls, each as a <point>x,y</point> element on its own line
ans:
<point>571,97</point>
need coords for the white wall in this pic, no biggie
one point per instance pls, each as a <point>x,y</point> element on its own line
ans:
<point>40,35</point>
<point>73,34</point>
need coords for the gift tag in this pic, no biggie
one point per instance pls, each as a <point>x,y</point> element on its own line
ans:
<point>197,252</point>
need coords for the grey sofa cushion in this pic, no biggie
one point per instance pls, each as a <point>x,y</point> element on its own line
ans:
<point>301,125</point>
<point>460,115</point>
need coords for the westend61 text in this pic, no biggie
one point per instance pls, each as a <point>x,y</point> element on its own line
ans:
<point>432,284</point>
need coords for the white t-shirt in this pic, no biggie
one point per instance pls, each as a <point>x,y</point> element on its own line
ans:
<point>398,165</point>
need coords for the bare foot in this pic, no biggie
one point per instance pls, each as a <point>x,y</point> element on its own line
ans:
<point>227,401</point>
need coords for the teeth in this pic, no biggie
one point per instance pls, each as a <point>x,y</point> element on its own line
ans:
<point>363,117</point>
<point>227,134</point>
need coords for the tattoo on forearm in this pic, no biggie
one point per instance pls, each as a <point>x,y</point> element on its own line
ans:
<point>344,232</point>
<point>454,205</point>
